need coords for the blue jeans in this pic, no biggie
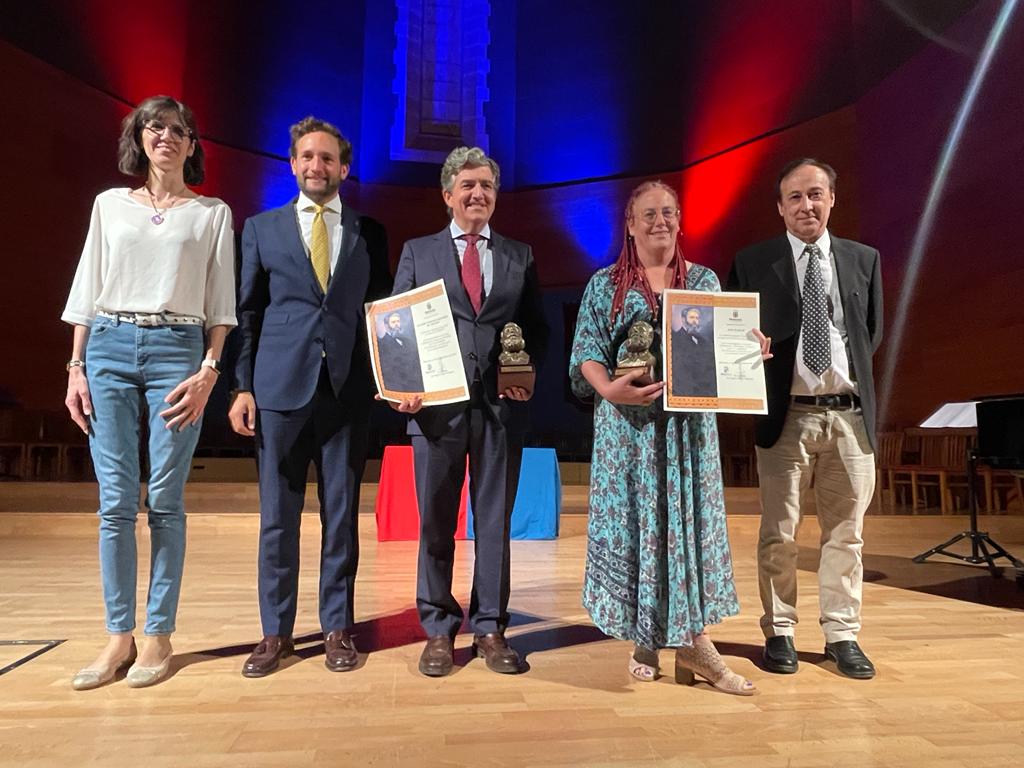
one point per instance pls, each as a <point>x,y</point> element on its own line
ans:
<point>130,370</point>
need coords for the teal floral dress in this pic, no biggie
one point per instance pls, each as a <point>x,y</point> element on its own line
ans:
<point>658,563</point>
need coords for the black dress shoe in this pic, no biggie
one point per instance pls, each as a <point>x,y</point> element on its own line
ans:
<point>437,657</point>
<point>780,655</point>
<point>850,659</point>
<point>496,653</point>
<point>266,657</point>
<point>341,653</point>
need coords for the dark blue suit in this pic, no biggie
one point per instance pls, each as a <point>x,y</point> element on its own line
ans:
<point>303,356</point>
<point>443,436</point>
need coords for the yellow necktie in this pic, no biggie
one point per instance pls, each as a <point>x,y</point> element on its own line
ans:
<point>318,247</point>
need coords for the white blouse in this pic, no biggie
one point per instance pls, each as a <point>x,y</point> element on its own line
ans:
<point>186,265</point>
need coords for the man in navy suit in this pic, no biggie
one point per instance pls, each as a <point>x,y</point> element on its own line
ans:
<point>821,303</point>
<point>307,269</point>
<point>490,281</point>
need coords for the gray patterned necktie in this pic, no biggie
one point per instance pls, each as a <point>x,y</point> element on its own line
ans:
<point>817,351</point>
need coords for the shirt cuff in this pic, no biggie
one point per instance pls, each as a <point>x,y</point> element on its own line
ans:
<point>229,320</point>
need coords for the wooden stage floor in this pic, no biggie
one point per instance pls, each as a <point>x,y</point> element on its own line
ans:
<point>948,641</point>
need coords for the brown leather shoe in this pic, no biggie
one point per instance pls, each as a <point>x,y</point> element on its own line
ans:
<point>342,655</point>
<point>266,657</point>
<point>437,657</point>
<point>496,652</point>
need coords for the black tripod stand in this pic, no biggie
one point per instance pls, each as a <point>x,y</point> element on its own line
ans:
<point>984,550</point>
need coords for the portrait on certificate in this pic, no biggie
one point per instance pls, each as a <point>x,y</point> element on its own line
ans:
<point>712,359</point>
<point>414,348</point>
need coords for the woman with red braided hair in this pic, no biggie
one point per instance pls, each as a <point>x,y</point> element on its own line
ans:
<point>658,570</point>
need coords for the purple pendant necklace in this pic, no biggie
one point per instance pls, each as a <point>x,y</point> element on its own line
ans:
<point>158,215</point>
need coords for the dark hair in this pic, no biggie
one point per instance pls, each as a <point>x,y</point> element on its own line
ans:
<point>312,125</point>
<point>792,165</point>
<point>131,158</point>
<point>628,272</point>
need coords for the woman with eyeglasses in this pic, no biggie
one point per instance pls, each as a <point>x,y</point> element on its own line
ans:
<point>658,569</point>
<point>152,301</point>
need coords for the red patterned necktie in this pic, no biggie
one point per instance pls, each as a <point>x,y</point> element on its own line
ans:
<point>471,279</point>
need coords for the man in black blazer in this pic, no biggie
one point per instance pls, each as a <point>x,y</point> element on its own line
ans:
<point>821,304</point>
<point>307,269</point>
<point>490,281</point>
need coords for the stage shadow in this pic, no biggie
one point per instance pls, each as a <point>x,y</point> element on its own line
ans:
<point>957,581</point>
<point>753,653</point>
<point>553,638</point>
<point>373,635</point>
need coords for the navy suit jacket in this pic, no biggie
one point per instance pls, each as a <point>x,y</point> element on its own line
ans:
<point>287,323</point>
<point>768,269</point>
<point>514,297</point>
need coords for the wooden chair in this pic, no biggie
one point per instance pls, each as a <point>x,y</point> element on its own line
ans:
<point>45,452</point>
<point>1004,489</point>
<point>953,475</point>
<point>736,447</point>
<point>18,428</point>
<point>941,470</point>
<point>902,475</point>
<point>888,457</point>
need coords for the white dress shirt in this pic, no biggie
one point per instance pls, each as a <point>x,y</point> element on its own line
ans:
<point>332,218</point>
<point>835,379</point>
<point>483,247</point>
<point>183,266</point>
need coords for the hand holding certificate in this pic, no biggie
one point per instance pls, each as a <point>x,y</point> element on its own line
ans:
<point>713,352</point>
<point>414,348</point>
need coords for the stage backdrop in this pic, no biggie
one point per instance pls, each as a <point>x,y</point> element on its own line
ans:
<point>579,101</point>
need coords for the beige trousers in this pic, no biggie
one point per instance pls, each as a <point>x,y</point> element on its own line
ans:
<point>831,448</point>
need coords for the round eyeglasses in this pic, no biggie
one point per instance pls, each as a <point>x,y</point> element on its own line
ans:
<point>650,215</point>
<point>177,131</point>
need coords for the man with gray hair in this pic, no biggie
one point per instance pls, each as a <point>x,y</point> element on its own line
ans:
<point>490,280</point>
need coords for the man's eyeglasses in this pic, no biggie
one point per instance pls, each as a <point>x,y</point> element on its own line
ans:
<point>178,132</point>
<point>651,214</point>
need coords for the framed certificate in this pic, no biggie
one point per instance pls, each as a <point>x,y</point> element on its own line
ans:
<point>711,357</point>
<point>414,349</point>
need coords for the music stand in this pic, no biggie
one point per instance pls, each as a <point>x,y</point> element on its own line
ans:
<point>984,549</point>
<point>981,542</point>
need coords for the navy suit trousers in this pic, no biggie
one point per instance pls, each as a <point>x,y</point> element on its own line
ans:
<point>334,438</point>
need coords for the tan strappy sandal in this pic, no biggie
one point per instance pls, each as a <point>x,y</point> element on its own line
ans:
<point>643,664</point>
<point>703,659</point>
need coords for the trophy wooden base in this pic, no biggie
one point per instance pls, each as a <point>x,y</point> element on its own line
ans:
<point>516,376</point>
<point>647,377</point>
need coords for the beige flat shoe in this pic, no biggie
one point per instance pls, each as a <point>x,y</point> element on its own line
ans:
<point>93,677</point>
<point>141,677</point>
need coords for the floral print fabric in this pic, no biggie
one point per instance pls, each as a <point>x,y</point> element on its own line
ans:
<point>658,564</point>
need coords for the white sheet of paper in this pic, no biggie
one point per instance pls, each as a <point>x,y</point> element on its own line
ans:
<point>953,415</point>
<point>717,365</point>
<point>426,359</point>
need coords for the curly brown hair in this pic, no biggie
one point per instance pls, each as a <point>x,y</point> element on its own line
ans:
<point>312,124</point>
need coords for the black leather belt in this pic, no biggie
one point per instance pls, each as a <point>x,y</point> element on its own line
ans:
<point>835,402</point>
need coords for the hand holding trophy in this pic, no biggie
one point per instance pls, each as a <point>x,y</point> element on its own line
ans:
<point>514,366</point>
<point>637,348</point>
